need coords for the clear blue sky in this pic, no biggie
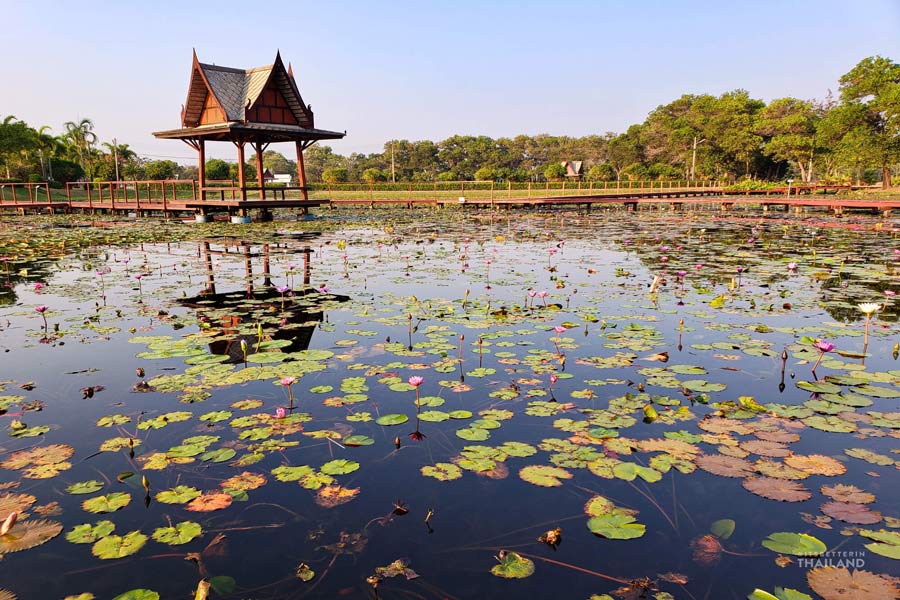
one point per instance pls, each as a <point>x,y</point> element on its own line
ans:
<point>428,70</point>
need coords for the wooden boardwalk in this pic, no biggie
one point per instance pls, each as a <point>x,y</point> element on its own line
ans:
<point>110,199</point>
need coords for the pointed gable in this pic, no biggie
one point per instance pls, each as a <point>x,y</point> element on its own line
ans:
<point>261,95</point>
<point>279,100</point>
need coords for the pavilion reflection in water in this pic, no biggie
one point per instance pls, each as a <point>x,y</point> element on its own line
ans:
<point>287,317</point>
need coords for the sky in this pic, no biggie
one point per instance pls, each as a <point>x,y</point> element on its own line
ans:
<point>427,69</point>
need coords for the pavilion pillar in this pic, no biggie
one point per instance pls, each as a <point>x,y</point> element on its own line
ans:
<point>242,184</point>
<point>301,171</point>
<point>201,166</point>
<point>260,180</point>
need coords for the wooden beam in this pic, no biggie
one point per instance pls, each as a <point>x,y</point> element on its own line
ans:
<point>260,180</point>
<point>201,166</point>
<point>301,171</point>
<point>241,182</point>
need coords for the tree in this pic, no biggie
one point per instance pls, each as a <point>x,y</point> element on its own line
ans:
<point>373,175</point>
<point>555,172</point>
<point>788,126</point>
<point>601,172</point>
<point>335,175</point>
<point>873,87</point>
<point>217,169</point>
<point>15,137</point>
<point>81,137</point>
<point>485,174</point>
<point>626,149</point>
<point>118,154</point>
<point>160,169</point>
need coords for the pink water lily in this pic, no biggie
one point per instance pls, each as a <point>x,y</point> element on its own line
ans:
<point>280,413</point>
<point>822,346</point>
<point>38,286</point>
<point>288,382</point>
<point>559,329</point>
<point>416,380</point>
<point>42,308</point>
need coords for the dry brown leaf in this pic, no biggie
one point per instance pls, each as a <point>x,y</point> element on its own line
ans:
<point>15,503</point>
<point>714,424</point>
<point>765,448</point>
<point>774,468</point>
<point>820,521</point>
<point>816,464</point>
<point>783,561</point>
<point>335,495</point>
<point>847,493</point>
<point>778,435</point>
<point>7,595</point>
<point>707,550</point>
<point>28,534</point>
<point>209,502</point>
<point>676,448</point>
<point>725,466</point>
<point>733,451</point>
<point>838,583</point>
<point>777,489</point>
<point>244,481</point>
<point>849,512</point>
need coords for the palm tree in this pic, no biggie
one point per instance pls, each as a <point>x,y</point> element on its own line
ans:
<point>81,135</point>
<point>48,144</point>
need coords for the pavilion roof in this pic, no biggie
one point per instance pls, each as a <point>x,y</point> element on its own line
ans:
<point>221,105</point>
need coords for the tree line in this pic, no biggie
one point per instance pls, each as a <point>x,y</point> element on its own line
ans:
<point>733,136</point>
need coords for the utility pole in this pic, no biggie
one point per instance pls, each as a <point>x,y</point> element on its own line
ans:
<point>116,155</point>
<point>393,174</point>
<point>694,156</point>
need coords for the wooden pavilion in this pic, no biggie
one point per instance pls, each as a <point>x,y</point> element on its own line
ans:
<point>254,106</point>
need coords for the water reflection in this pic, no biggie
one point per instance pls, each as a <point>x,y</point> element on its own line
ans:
<point>262,317</point>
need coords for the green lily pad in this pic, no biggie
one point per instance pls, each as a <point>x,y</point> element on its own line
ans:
<point>181,533</point>
<point>798,544</point>
<point>116,546</point>
<point>543,475</point>
<point>138,594</point>
<point>358,440</point>
<point>180,494</point>
<point>392,419</point>
<point>723,528</point>
<point>442,471</point>
<point>340,467</point>
<point>85,487</point>
<point>107,504</point>
<point>887,543</point>
<point>616,526</point>
<point>513,566</point>
<point>88,534</point>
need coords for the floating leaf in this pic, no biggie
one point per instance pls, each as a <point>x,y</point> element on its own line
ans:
<point>797,544</point>
<point>851,513</point>
<point>85,487</point>
<point>220,455</point>
<point>887,542</point>
<point>180,533</point>
<point>777,489</point>
<point>107,504</point>
<point>357,440</point>
<point>88,534</point>
<point>544,476</point>
<point>210,502</point>
<point>115,546</point>
<point>330,496</point>
<point>138,594</point>
<point>473,434</point>
<point>512,566</point>
<point>304,573</point>
<point>838,583</point>
<point>616,525</point>
<point>339,467</point>
<point>723,528</point>
<point>180,494</point>
<point>28,534</point>
<point>392,419</point>
<point>442,471</point>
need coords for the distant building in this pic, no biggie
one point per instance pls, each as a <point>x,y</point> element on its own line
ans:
<point>574,168</point>
<point>279,178</point>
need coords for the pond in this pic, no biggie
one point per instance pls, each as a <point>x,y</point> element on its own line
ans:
<point>451,405</point>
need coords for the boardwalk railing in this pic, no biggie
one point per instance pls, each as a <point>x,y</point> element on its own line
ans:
<point>25,193</point>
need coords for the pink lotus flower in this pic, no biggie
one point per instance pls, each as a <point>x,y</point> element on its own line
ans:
<point>559,329</point>
<point>553,379</point>
<point>532,293</point>
<point>823,346</point>
<point>698,266</point>
<point>682,273</point>
<point>288,380</point>
<point>282,289</point>
<point>890,293</point>
<point>323,289</point>
<point>663,259</point>
<point>416,381</point>
<point>792,266</point>
<point>138,276</point>
<point>38,286</point>
<point>542,294</point>
<point>280,413</point>
<point>42,308</point>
